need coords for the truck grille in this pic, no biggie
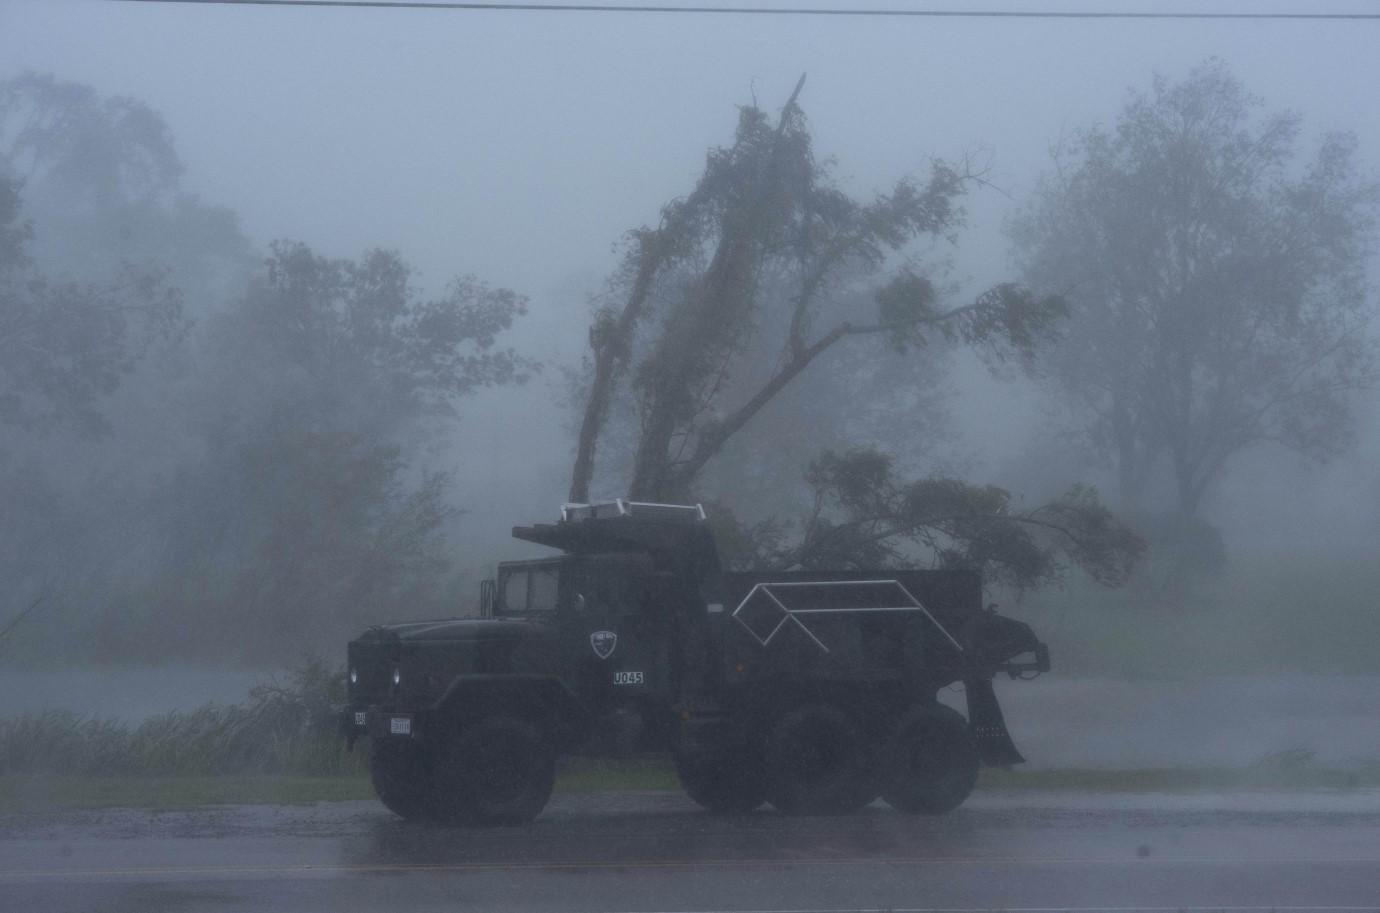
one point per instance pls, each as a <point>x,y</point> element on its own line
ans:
<point>373,665</point>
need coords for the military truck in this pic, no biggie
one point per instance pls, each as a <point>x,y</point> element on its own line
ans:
<point>813,691</point>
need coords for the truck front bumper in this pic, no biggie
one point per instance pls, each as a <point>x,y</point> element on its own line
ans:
<point>376,723</point>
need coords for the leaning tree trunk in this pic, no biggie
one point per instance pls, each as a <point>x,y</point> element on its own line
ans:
<point>724,293</point>
<point>611,347</point>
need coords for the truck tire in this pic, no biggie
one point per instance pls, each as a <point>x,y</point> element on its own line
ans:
<point>818,764</point>
<point>402,774</point>
<point>498,770</point>
<point>932,762</point>
<point>733,784</point>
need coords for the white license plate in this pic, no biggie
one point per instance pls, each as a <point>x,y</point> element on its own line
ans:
<point>361,718</point>
<point>400,725</point>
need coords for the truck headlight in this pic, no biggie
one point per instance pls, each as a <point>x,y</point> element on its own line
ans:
<point>354,676</point>
<point>397,676</point>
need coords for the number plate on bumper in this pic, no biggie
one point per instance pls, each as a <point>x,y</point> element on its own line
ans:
<point>383,725</point>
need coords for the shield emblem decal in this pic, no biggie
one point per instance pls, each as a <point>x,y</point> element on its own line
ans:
<point>603,643</point>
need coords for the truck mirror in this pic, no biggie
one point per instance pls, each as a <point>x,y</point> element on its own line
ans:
<point>486,598</point>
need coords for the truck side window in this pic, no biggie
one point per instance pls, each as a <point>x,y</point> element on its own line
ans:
<point>515,591</point>
<point>542,589</point>
<point>613,585</point>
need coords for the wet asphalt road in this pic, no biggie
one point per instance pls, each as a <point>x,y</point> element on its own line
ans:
<point>656,852</point>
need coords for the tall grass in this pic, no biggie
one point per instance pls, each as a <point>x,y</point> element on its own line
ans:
<point>284,727</point>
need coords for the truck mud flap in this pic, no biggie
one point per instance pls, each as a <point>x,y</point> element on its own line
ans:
<point>988,726</point>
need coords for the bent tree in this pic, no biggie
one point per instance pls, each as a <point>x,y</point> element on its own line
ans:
<point>769,261</point>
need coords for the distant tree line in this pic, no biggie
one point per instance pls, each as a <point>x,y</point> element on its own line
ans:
<point>205,456</point>
<point>1217,275</point>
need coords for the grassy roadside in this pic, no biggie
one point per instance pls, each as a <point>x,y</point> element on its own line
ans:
<point>34,793</point>
<point>1186,779</point>
<point>1267,614</point>
<point>42,792</point>
<point>38,792</point>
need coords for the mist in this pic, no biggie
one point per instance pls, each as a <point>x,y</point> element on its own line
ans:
<point>169,521</point>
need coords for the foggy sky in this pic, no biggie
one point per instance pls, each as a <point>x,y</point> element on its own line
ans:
<point>519,147</point>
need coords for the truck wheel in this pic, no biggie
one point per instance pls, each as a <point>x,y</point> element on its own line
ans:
<point>499,770</point>
<point>401,772</point>
<point>730,785</point>
<point>932,762</point>
<point>817,763</point>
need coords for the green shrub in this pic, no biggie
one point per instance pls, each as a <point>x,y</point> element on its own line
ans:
<point>281,728</point>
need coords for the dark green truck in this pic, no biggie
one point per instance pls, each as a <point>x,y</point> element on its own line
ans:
<point>814,691</point>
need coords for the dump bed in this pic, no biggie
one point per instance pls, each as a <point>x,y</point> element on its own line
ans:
<point>943,602</point>
<point>865,625</point>
<point>924,626</point>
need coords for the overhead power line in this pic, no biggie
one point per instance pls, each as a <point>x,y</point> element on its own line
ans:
<point>771,10</point>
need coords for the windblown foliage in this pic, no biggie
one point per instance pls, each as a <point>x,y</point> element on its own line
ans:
<point>768,241</point>
<point>864,516</point>
<point>743,287</point>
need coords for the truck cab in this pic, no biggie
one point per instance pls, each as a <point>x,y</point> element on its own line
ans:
<point>614,649</point>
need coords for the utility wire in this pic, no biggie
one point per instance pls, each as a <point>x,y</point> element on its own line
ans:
<point>770,11</point>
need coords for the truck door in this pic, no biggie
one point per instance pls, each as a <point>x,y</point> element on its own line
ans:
<point>621,638</point>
